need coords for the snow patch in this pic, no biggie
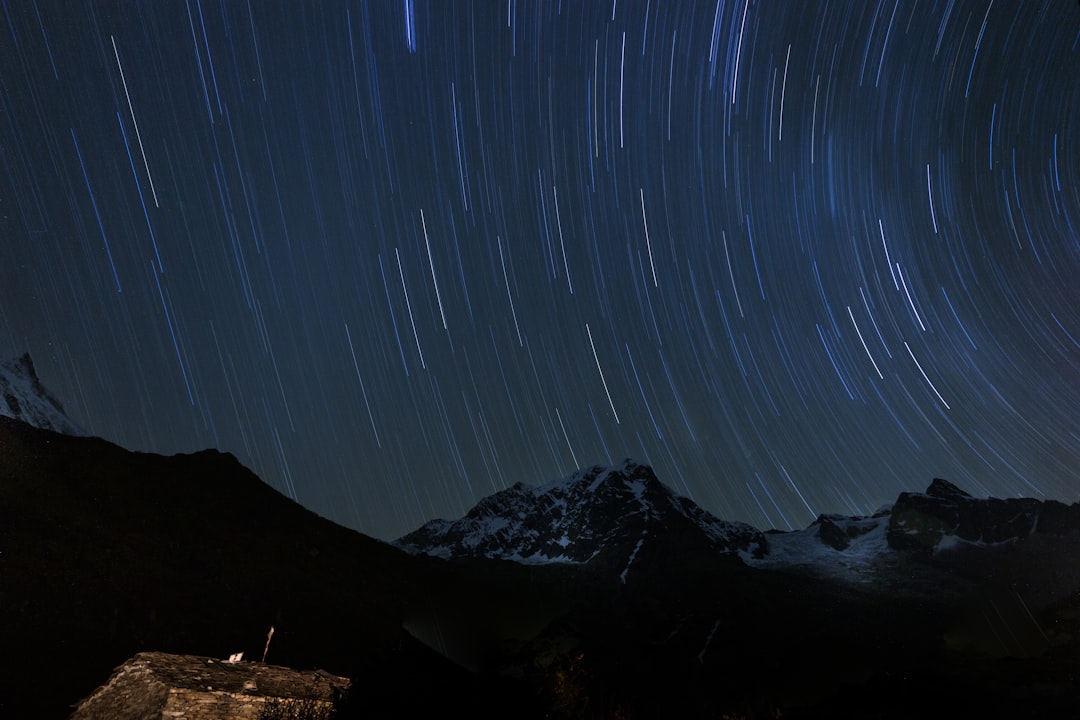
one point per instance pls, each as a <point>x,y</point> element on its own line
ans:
<point>637,487</point>
<point>952,542</point>
<point>633,554</point>
<point>708,641</point>
<point>600,478</point>
<point>540,558</point>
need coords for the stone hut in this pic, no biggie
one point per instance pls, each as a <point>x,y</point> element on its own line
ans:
<point>160,686</point>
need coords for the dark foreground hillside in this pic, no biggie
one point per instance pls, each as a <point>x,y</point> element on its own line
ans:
<point>105,553</point>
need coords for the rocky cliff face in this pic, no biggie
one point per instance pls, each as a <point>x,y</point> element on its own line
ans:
<point>945,515</point>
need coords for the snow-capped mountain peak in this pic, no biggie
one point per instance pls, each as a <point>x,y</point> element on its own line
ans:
<point>23,397</point>
<point>596,512</point>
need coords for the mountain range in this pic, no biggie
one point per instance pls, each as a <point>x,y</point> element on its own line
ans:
<point>603,594</point>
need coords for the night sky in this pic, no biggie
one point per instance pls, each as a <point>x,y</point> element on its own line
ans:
<point>396,256</point>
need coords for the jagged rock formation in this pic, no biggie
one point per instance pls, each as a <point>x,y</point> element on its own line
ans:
<point>945,515</point>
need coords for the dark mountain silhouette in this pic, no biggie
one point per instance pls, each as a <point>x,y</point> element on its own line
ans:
<point>601,595</point>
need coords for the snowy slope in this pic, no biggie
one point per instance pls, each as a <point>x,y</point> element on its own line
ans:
<point>616,510</point>
<point>851,549</point>
<point>23,397</point>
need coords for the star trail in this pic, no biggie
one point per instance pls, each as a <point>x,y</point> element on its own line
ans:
<point>395,256</point>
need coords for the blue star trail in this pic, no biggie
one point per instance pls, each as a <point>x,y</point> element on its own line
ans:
<point>396,256</point>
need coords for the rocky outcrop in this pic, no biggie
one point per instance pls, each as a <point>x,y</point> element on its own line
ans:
<point>160,685</point>
<point>831,534</point>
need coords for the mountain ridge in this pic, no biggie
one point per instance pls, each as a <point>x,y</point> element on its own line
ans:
<point>607,515</point>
